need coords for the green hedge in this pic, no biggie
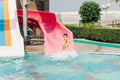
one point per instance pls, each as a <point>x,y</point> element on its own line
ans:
<point>98,34</point>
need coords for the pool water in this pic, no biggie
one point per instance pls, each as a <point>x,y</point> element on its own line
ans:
<point>39,67</point>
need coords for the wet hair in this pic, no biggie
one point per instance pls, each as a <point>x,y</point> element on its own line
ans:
<point>65,34</point>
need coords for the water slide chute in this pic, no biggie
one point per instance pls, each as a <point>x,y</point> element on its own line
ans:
<point>51,28</point>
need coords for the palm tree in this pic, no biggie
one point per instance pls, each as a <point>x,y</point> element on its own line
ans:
<point>116,1</point>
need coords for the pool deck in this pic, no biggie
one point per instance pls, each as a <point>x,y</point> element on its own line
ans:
<point>81,47</point>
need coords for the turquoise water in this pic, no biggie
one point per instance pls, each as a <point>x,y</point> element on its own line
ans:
<point>40,67</point>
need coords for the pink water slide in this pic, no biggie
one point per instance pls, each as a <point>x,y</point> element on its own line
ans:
<point>51,28</point>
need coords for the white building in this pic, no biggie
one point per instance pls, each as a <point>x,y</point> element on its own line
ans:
<point>67,11</point>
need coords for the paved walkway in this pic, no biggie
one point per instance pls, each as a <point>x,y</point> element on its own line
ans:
<point>35,48</point>
<point>80,47</point>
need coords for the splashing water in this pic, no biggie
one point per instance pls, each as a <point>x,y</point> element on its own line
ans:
<point>64,55</point>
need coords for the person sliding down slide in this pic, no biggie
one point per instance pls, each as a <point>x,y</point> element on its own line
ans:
<point>66,53</point>
<point>65,43</point>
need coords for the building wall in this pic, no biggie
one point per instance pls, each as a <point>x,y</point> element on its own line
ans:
<point>42,5</point>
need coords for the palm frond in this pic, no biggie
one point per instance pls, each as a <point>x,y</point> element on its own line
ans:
<point>116,1</point>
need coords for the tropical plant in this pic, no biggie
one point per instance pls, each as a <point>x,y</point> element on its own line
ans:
<point>116,1</point>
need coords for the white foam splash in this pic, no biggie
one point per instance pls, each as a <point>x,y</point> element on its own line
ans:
<point>64,55</point>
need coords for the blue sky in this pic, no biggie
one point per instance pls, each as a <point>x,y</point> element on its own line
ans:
<point>73,5</point>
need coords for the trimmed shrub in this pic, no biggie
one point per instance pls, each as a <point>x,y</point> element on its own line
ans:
<point>91,25</point>
<point>97,34</point>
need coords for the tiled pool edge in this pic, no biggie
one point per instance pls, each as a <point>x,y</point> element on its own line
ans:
<point>97,43</point>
